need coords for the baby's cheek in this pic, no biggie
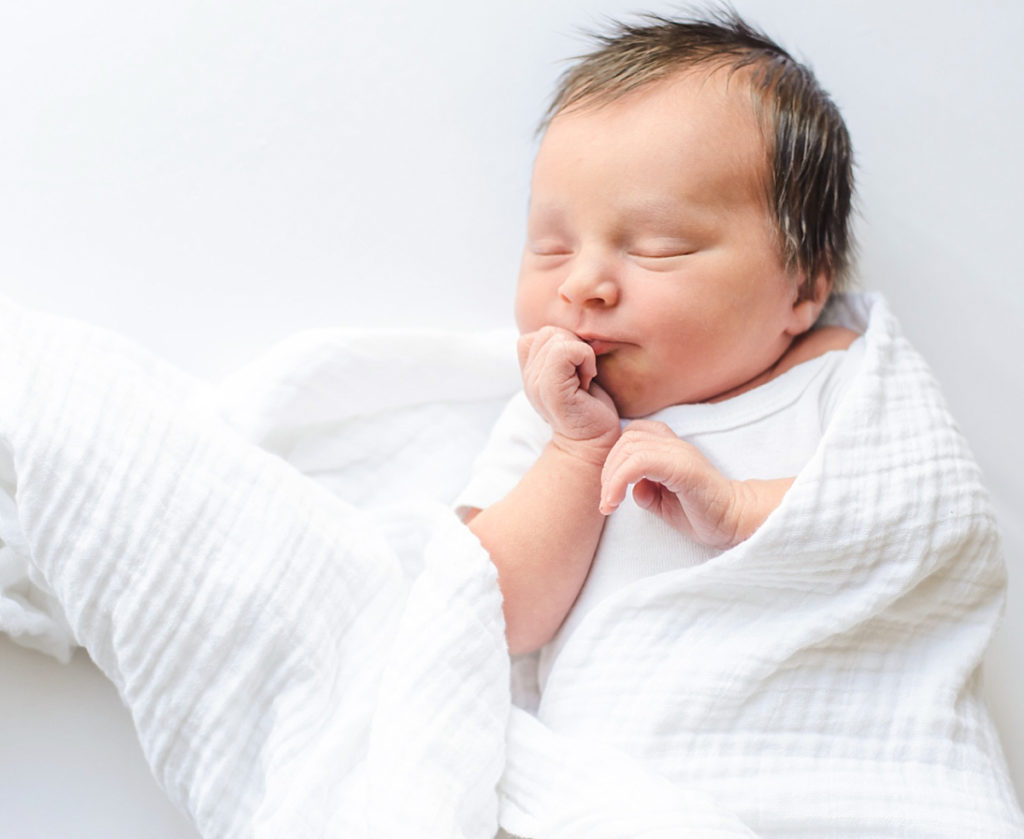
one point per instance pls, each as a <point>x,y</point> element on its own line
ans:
<point>626,379</point>
<point>530,308</point>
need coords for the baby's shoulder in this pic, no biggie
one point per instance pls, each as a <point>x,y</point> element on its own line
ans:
<point>817,342</point>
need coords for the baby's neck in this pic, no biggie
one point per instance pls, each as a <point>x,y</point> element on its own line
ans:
<point>805,347</point>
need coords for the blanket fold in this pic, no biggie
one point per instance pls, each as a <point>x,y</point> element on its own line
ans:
<point>261,631</point>
<point>311,644</point>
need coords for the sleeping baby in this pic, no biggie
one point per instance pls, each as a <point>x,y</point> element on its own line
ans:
<point>748,569</point>
<point>688,223</point>
<point>742,548</point>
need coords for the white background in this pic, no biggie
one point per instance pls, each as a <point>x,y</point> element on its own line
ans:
<point>209,177</point>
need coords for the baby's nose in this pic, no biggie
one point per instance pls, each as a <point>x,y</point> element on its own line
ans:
<point>590,284</point>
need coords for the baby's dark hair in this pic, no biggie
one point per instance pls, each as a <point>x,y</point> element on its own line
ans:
<point>809,182</point>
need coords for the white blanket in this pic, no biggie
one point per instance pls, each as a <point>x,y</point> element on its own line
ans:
<point>311,645</point>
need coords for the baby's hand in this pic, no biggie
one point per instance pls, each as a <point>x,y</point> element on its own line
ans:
<point>558,376</point>
<point>673,479</point>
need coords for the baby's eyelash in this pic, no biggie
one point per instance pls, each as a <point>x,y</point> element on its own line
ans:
<point>542,249</point>
<point>665,255</point>
<point>659,247</point>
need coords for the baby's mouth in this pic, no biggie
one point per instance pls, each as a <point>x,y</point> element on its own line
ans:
<point>600,346</point>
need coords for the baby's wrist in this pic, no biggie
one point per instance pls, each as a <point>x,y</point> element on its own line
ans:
<point>755,501</point>
<point>590,450</point>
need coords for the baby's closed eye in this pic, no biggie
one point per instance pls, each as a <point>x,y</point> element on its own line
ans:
<point>661,248</point>
<point>549,247</point>
<point>660,259</point>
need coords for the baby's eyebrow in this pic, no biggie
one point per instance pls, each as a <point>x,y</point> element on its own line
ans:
<point>634,214</point>
<point>661,212</point>
<point>546,214</point>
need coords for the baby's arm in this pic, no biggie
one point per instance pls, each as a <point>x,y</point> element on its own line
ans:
<point>674,480</point>
<point>543,534</point>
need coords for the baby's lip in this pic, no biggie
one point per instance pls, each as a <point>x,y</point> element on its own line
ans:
<point>600,344</point>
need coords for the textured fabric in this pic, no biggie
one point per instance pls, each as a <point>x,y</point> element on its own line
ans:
<point>294,666</point>
<point>297,665</point>
<point>821,678</point>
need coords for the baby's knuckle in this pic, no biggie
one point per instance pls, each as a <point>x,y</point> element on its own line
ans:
<point>630,446</point>
<point>686,451</point>
<point>547,334</point>
<point>650,427</point>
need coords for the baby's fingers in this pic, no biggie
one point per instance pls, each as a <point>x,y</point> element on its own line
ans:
<point>586,364</point>
<point>646,451</point>
<point>523,347</point>
<point>641,466</point>
<point>551,348</point>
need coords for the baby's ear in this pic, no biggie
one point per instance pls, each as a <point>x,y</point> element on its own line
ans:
<point>812,295</point>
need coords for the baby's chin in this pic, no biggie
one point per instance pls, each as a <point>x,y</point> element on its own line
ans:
<point>626,387</point>
<point>636,392</point>
<point>631,409</point>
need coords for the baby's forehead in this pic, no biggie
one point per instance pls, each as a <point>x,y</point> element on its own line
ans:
<point>698,128</point>
<point>710,102</point>
<point>710,79</point>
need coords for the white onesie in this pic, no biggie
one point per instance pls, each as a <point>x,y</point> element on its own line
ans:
<point>768,432</point>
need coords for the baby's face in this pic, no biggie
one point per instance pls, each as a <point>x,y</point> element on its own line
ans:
<point>649,237</point>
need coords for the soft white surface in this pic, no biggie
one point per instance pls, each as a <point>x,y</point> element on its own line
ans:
<point>71,762</point>
<point>210,178</point>
<point>296,665</point>
<point>293,665</point>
